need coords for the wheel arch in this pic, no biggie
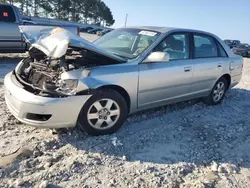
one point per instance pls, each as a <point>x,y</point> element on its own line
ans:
<point>228,78</point>
<point>120,90</point>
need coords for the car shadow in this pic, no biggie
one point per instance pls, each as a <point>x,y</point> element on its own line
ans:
<point>184,132</point>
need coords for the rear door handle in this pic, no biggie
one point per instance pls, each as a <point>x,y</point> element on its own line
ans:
<point>187,69</point>
<point>219,65</point>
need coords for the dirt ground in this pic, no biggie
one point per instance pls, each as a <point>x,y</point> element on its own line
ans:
<point>187,144</point>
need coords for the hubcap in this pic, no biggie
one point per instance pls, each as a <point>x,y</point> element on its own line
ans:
<point>219,91</point>
<point>103,114</point>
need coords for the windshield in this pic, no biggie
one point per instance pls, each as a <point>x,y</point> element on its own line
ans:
<point>127,43</point>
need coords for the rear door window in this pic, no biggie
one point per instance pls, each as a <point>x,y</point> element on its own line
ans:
<point>204,46</point>
<point>222,52</point>
<point>7,14</point>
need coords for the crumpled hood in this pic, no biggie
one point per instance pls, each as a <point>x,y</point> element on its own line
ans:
<point>54,42</point>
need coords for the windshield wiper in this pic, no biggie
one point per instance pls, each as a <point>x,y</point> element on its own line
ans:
<point>117,54</point>
<point>124,57</point>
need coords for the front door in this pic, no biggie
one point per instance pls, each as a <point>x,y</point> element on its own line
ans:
<point>164,82</point>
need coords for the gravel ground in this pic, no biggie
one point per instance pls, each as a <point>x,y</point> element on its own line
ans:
<point>186,145</point>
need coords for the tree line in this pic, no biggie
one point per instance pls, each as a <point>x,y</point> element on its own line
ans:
<point>84,11</point>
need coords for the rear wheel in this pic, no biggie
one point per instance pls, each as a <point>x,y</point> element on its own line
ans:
<point>218,92</point>
<point>103,113</point>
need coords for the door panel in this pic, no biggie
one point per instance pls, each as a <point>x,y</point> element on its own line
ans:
<point>206,72</point>
<point>159,82</point>
<point>11,36</point>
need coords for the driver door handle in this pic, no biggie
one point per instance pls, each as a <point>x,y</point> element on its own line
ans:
<point>187,69</point>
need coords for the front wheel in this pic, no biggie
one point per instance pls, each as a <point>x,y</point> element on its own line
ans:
<point>217,93</point>
<point>103,113</point>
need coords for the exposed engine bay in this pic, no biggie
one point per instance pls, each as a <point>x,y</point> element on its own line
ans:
<point>40,74</point>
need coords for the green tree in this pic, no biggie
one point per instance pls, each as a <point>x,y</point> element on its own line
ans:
<point>87,11</point>
<point>45,7</point>
<point>25,6</point>
<point>108,17</point>
<point>86,8</point>
<point>36,5</point>
<point>7,1</point>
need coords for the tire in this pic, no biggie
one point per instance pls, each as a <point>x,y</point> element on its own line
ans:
<point>103,104</point>
<point>211,99</point>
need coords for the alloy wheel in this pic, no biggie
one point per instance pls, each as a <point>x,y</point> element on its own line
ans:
<point>103,114</point>
<point>219,91</point>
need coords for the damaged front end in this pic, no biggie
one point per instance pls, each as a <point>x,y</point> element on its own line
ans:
<point>41,75</point>
<point>53,53</point>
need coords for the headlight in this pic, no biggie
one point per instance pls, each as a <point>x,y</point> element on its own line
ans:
<point>68,87</point>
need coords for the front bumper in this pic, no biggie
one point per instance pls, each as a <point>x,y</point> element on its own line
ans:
<point>31,109</point>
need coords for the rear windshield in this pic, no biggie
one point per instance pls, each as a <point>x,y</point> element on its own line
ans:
<point>7,14</point>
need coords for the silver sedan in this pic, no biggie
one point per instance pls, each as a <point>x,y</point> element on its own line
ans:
<point>68,81</point>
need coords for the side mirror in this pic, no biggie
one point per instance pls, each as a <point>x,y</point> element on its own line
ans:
<point>157,57</point>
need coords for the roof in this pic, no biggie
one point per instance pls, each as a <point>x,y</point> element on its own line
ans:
<point>167,29</point>
<point>155,28</point>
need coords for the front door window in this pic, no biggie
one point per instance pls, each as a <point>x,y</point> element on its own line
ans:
<point>177,46</point>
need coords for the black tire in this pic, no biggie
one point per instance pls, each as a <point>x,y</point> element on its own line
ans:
<point>209,100</point>
<point>83,122</point>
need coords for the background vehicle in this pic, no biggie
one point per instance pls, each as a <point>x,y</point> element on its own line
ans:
<point>11,39</point>
<point>125,71</point>
<point>232,43</point>
<point>242,50</point>
<point>86,29</point>
<point>229,42</point>
<point>94,31</point>
<point>103,32</point>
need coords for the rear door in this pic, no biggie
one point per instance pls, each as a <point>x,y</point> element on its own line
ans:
<point>10,36</point>
<point>210,59</point>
